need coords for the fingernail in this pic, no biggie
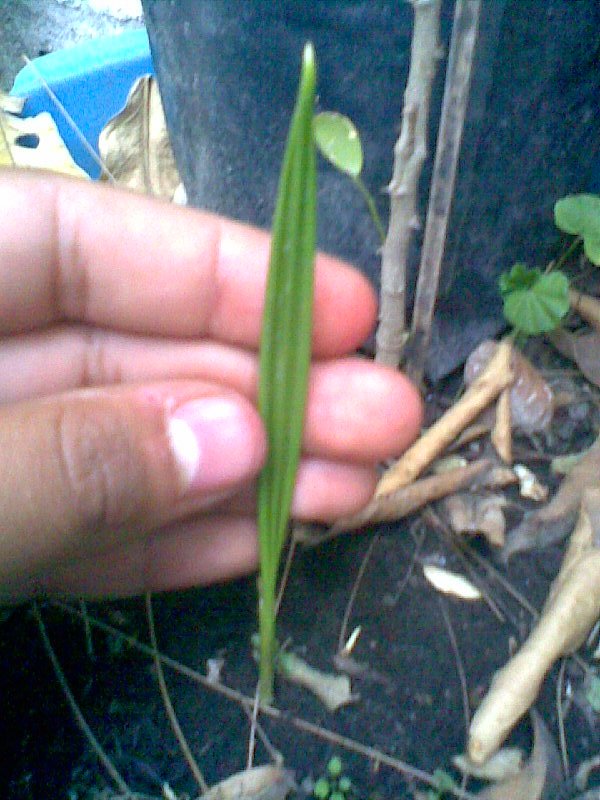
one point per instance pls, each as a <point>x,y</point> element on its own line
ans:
<point>214,443</point>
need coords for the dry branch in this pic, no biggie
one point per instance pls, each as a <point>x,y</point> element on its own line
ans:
<point>410,152</point>
<point>456,95</point>
<point>494,378</point>
<point>587,306</point>
<point>409,499</point>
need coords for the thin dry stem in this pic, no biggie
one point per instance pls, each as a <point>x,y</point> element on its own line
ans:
<point>354,591</point>
<point>410,153</point>
<point>408,499</point>
<point>454,105</point>
<point>76,711</point>
<point>494,378</point>
<point>166,698</point>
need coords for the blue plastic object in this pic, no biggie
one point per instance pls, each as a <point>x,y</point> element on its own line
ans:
<point>91,81</point>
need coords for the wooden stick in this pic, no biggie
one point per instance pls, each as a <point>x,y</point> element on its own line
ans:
<point>494,378</point>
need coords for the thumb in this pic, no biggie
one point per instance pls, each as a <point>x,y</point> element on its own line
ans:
<point>82,471</point>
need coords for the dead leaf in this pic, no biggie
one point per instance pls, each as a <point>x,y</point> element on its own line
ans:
<point>334,691</point>
<point>531,398</point>
<point>451,582</point>
<point>11,104</point>
<point>555,521</point>
<point>541,775</point>
<point>583,349</point>
<point>506,763</point>
<point>529,486</point>
<point>259,783</point>
<point>473,513</point>
<point>32,142</point>
<point>135,144</point>
<point>569,613</point>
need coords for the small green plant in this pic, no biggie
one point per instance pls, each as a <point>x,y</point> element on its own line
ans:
<point>579,215</point>
<point>338,141</point>
<point>285,350</point>
<point>535,302</point>
<point>335,785</point>
<point>444,783</point>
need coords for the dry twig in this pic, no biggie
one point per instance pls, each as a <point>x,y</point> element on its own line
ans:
<point>495,377</point>
<point>410,153</point>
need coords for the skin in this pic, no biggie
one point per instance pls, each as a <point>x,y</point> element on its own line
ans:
<point>119,313</point>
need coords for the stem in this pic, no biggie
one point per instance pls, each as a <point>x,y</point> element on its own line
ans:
<point>410,152</point>
<point>76,711</point>
<point>166,698</point>
<point>368,198</point>
<point>266,622</point>
<point>454,105</point>
<point>568,252</point>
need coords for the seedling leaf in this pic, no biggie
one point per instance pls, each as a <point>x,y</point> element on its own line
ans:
<point>339,142</point>
<point>285,352</point>
<point>534,303</point>
<point>579,214</point>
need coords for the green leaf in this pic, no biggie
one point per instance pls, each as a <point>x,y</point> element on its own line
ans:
<point>334,767</point>
<point>579,214</point>
<point>339,142</point>
<point>534,303</point>
<point>520,277</point>
<point>285,351</point>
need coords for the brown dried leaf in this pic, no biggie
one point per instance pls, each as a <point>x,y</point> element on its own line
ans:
<point>540,776</point>
<point>570,612</point>
<point>477,514</point>
<point>583,349</point>
<point>135,144</point>
<point>33,142</point>
<point>259,783</point>
<point>531,399</point>
<point>555,520</point>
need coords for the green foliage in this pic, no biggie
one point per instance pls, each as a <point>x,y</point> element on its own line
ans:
<point>334,767</point>
<point>579,214</point>
<point>338,141</point>
<point>335,785</point>
<point>285,351</point>
<point>443,783</point>
<point>534,302</point>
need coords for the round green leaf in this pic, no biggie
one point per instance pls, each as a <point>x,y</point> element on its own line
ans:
<point>579,214</point>
<point>591,247</point>
<point>520,277</point>
<point>540,307</point>
<point>339,142</point>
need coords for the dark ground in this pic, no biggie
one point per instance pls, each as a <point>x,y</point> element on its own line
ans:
<point>410,705</point>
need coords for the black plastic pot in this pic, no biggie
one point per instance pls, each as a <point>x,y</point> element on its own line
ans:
<point>228,72</point>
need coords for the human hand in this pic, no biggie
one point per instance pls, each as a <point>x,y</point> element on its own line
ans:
<point>129,438</point>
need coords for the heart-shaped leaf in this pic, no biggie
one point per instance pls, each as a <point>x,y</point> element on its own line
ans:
<point>339,142</point>
<point>534,303</point>
<point>579,214</point>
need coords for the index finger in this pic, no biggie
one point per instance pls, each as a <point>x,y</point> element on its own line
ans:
<point>82,252</point>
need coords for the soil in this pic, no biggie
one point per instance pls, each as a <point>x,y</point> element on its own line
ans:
<point>411,704</point>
